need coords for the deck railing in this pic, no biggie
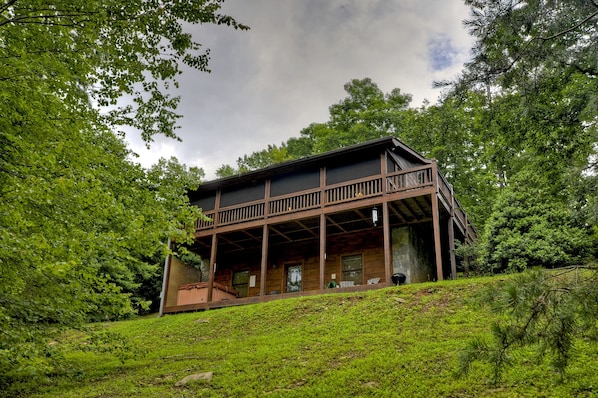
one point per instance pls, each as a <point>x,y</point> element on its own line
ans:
<point>445,190</point>
<point>351,191</point>
<point>355,190</point>
<point>205,223</point>
<point>295,202</point>
<point>407,180</point>
<point>241,213</point>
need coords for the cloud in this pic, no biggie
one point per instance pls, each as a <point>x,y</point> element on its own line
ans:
<point>441,52</point>
<point>270,82</point>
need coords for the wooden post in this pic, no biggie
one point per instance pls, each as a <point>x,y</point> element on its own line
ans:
<point>212,266</point>
<point>216,218</point>
<point>322,250</point>
<point>467,230</point>
<point>386,219</point>
<point>387,243</point>
<point>451,236</point>
<point>322,187</point>
<point>322,227</point>
<point>437,243</point>
<point>165,280</point>
<point>436,223</point>
<point>265,236</point>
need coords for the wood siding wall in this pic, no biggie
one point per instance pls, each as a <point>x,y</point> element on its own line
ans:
<point>368,243</point>
<point>180,274</point>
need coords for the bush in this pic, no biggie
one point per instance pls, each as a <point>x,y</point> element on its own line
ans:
<point>529,227</point>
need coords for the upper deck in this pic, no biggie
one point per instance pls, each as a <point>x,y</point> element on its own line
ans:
<point>357,193</point>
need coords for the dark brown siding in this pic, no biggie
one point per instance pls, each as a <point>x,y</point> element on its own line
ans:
<point>367,243</point>
<point>294,182</point>
<point>239,195</point>
<point>352,170</point>
<point>206,202</point>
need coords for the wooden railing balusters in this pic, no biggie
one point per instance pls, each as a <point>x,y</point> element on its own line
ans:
<point>395,182</point>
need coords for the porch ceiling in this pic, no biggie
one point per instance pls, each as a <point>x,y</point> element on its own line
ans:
<point>410,210</point>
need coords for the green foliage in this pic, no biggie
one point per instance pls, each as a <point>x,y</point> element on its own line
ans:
<point>513,39</point>
<point>257,160</point>
<point>80,223</point>
<point>542,310</point>
<point>535,63</point>
<point>188,257</point>
<point>101,51</point>
<point>454,132</point>
<point>365,114</point>
<point>530,227</point>
<point>76,225</point>
<point>468,256</point>
<point>105,341</point>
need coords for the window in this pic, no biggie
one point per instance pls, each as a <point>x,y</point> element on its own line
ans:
<point>241,282</point>
<point>352,269</point>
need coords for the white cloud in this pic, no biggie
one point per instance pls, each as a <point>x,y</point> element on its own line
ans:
<point>272,81</point>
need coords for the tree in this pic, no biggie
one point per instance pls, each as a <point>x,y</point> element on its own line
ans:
<point>544,311</point>
<point>102,51</point>
<point>530,227</point>
<point>256,160</point>
<point>77,222</point>
<point>78,219</point>
<point>365,114</point>
<point>453,132</point>
<point>535,61</point>
<point>540,56</point>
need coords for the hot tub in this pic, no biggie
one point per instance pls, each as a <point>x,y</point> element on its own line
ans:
<point>193,293</point>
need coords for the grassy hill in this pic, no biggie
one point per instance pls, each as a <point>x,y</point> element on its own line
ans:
<point>394,342</point>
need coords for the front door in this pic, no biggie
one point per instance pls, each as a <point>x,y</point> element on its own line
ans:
<point>294,278</point>
<point>241,282</point>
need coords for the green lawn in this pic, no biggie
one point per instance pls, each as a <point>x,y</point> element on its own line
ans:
<point>397,341</point>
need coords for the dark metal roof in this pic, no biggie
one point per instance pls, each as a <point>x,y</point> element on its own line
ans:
<point>390,143</point>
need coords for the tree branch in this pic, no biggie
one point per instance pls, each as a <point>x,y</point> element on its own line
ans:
<point>33,18</point>
<point>6,6</point>
<point>543,40</point>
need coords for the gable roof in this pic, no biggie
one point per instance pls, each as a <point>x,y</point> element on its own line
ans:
<point>390,143</point>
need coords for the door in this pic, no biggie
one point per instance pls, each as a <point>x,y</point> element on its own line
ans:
<point>241,282</point>
<point>293,276</point>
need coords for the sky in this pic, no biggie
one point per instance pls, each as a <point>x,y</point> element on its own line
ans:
<point>270,82</point>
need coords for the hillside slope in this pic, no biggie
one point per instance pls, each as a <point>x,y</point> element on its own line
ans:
<point>398,341</point>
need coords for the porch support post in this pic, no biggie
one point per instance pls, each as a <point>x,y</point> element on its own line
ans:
<point>437,243</point>
<point>387,248</point>
<point>265,236</point>
<point>212,266</point>
<point>322,227</point>
<point>451,236</point>
<point>322,250</point>
<point>165,281</point>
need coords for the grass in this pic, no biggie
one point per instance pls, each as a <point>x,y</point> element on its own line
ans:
<point>397,341</point>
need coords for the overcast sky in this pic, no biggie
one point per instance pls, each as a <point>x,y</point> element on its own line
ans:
<point>270,82</point>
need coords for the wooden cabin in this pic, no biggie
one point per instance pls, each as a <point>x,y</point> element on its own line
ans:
<point>340,221</point>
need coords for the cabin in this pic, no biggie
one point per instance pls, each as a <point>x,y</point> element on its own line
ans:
<point>362,217</point>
